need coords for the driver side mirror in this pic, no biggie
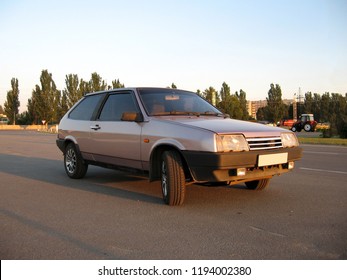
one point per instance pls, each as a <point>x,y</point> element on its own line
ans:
<point>132,117</point>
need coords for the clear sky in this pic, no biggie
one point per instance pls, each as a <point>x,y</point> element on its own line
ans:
<point>249,44</point>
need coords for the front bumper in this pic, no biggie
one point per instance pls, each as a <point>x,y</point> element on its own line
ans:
<point>218,167</point>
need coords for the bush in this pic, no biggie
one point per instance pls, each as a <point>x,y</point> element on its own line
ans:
<point>327,133</point>
<point>343,132</point>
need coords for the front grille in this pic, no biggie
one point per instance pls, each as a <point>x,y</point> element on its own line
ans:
<point>264,143</point>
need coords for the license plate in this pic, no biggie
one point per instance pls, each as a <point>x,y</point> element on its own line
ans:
<point>272,159</point>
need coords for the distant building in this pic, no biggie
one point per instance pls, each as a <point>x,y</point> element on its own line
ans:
<point>253,106</point>
<point>3,119</point>
<point>288,101</point>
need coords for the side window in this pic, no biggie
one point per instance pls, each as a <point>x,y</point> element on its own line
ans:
<point>85,109</point>
<point>116,105</point>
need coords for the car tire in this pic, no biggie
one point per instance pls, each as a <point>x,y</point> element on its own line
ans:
<point>74,165</point>
<point>172,178</point>
<point>258,185</point>
<point>307,127</point>
<point>293,129</point>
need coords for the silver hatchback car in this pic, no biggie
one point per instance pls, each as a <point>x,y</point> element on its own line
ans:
<point>175,136</point>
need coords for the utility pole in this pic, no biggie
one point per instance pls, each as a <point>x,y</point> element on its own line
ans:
<point>300,102</point>
<point>295,112</point>
<point>214,98</point>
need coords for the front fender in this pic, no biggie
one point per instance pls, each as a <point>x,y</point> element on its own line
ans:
<point>156,154</point>
<point>167,142</point>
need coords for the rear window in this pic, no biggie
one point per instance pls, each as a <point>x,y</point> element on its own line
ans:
<point>85,109</point>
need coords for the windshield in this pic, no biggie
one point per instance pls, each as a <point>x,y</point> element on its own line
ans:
<point>160,102</point>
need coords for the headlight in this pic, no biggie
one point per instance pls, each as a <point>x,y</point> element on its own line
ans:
<point>289,140</point>
<point>231,143</point>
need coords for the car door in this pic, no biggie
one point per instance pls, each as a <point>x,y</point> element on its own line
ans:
<point>115,141</point>
<point>79,122</point>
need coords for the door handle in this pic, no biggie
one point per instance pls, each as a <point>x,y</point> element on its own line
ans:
<point>95,127</point>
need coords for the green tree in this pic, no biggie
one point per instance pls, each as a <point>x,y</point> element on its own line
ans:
<point>235,110</point>
<point>263,113</point>
<point>225,103</point>
<point>275,104</point>
<point>84,87</point>
<point>324,106</point>
<point>24,118</point>
<point>117,84</point>
<point>308,103</point>
<point>211,95</point>
<point>316,106</point>
<point>59,105</point>
<point>330,108</point>
<point>96,83</point>
<point>243,104</point>
<point>11,106</point>
<point>32,106</point>
<point>287,111</point>
<point>45,100</point>
<point>39,105</point>
<point>337,114</point>
<point>233,104</point>
<point>225,92</point>
<point>63,105</point>
<point>72,89</point>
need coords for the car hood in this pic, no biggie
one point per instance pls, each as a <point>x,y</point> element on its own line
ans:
<point>225,126</point>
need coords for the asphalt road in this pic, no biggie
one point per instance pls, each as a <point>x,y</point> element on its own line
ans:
<point>115,215</point>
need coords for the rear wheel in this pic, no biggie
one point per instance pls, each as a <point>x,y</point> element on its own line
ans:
<point>172,178</point>
<point>293,128</point>
<point>307,127</point>
<point>258,184</point>
<point>74,165</point>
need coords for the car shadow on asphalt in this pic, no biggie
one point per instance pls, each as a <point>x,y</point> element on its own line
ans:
<point>52,171</point>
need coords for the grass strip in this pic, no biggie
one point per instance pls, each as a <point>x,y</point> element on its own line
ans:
<point>323,141</point>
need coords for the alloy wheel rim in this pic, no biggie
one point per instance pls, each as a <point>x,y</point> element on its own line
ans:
<point>71,161</point>
<point>164,179</point>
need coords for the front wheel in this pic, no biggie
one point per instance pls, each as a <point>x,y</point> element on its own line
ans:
<point>172,178</point>
<point>258,184</point>
<point>293,128</point>
<point>74,165</point>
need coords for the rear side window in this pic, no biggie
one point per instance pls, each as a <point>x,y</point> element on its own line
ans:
<point>85,109</point>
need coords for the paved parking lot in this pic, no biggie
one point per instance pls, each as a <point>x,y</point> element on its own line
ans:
<point>115,215</point>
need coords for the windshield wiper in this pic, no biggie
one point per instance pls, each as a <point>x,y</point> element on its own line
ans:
<point>188,113</point>
<point>177,113</point>
<point>185,113</point>
<point>210,113</point>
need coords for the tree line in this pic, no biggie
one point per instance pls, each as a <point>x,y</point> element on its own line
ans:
<point>328,107</point>
<point>49,104</point>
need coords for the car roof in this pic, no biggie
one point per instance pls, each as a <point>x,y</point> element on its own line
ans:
<point>135,89</point>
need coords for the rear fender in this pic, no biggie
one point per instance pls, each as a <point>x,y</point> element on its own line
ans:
<point>70,139</point>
